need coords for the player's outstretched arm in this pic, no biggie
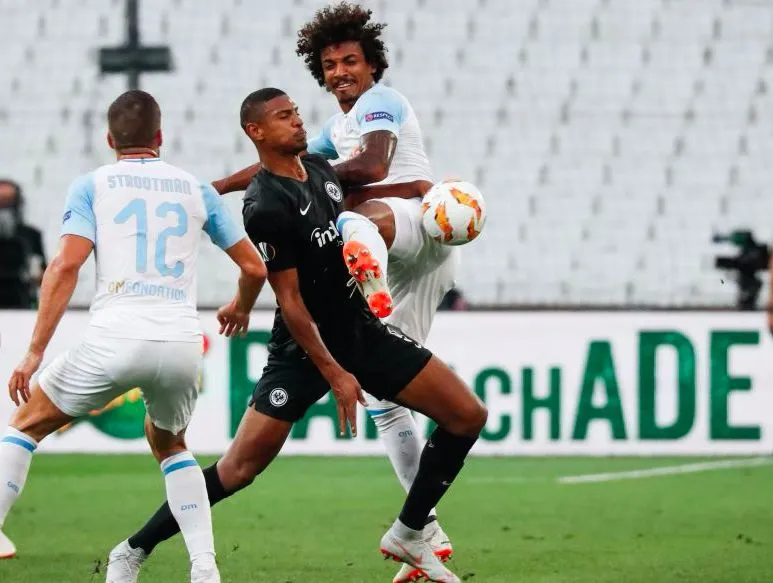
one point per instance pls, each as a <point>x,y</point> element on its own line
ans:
<point>59,282</point>
<point>239,180</point>
<point>372,162</point>
<point>234,317</point>
<point>346,389</point>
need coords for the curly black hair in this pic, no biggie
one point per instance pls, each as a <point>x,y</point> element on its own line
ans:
<point>337,24</point>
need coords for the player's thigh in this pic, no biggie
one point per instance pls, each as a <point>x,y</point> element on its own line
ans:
<point>416,301</point>
<point>382,216</point>
<point>386,362</point>
<point>168,374</point>
<point>286,390</point>
<point>39,416</point>
<point>441,395</point>
<point>79,380</point>
<point>258,440</point>
<point>399,222</point>
<point>282,395</point>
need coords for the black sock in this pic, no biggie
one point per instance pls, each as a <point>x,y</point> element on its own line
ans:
<point>441,461</point>
<point>162,524</point>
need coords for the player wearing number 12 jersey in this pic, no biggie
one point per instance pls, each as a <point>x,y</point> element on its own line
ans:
<point>143,218</point>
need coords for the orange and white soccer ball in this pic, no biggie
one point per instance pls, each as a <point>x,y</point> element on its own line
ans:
<point>453,213</point>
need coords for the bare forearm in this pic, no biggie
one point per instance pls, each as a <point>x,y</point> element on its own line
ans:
<point>250,287</point>
<point>238,181</point>
<point>360,170</point>
<point>305,332</point>
<point>57,289</point>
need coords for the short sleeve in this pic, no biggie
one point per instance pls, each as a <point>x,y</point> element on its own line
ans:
<point>323,144</point>
<point>380,109</point>
<point>222,229</point>
<point>79,218</point>
<point>270,227</point>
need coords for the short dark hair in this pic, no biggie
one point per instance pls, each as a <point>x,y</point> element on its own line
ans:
<point>252,106</point>
<point>133,119</point>
<point>338,24</point>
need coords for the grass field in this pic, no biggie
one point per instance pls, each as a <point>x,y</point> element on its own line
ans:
<point>319,520</point>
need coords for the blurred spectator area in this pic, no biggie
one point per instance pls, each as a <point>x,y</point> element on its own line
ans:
<point>611,138</point>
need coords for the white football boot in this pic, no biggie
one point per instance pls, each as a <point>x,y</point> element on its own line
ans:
<point>366,271</point>
<point>441,547</point>
<point>124,563</point>
<point>402,544</point>
<point>7,548</point>
<point>204,570</point>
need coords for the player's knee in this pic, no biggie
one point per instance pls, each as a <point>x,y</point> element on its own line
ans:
<point>37,423</point>
<point>479,417</point>
<point>471,420</point>
<point>245,475</point>
<point>167,450</point>
<point>238,473</point>
<point>382,216</point>
<point>31,429</point>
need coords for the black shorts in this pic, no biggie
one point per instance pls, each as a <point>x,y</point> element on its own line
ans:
<point>387,361</point>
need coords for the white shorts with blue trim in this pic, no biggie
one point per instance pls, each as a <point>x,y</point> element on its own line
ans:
<point>100,369</point>
<point>420,273</point>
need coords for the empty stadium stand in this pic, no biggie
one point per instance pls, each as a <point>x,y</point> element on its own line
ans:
<point>610,137</point>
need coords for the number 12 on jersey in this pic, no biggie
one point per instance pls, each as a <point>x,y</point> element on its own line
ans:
<point>139,208</point>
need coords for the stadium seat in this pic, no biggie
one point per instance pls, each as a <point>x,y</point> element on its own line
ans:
<point>610,138</point>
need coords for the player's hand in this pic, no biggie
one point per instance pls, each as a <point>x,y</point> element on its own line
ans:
<point>233,320</point>
<point>19,385</point>
<point>347,392</point>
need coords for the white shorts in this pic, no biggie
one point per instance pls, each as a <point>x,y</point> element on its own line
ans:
<point>100,369</point>
<point>420,272</point>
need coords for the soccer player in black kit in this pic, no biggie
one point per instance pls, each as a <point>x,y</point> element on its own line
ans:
<point>324,338</point>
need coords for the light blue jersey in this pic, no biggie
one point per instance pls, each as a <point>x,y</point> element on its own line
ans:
<point>145,219</point>
<point>379,108</point>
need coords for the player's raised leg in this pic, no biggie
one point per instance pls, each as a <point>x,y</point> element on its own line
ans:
<point>31,422</point>
<point>365,253</point>
<point>438,393</point>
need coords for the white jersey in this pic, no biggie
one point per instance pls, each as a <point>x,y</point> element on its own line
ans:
<point>379,108</point>
<point>421,270</point>
<point>145,219</point>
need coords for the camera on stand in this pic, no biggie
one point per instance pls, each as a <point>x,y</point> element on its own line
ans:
<point>752,258</point>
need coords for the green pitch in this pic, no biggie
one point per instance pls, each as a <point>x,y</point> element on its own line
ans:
<point>316,520</point>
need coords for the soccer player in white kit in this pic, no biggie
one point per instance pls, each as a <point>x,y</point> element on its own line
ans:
<point>143,218</point>
<point>376,140</point>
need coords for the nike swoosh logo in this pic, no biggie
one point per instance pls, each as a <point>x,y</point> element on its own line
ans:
<point>415,558</point>
<point>304,211</point>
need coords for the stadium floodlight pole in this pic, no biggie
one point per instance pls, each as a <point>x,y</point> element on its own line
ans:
<point>133,58</point>
<point>133,39</point>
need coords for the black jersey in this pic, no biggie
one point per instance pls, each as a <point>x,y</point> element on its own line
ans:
<point>293,225</point>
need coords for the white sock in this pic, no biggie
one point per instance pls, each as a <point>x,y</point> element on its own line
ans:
<point>400,436</point>
<point>186,492</point>
<point>356,227</point>
<point>16,449</point>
